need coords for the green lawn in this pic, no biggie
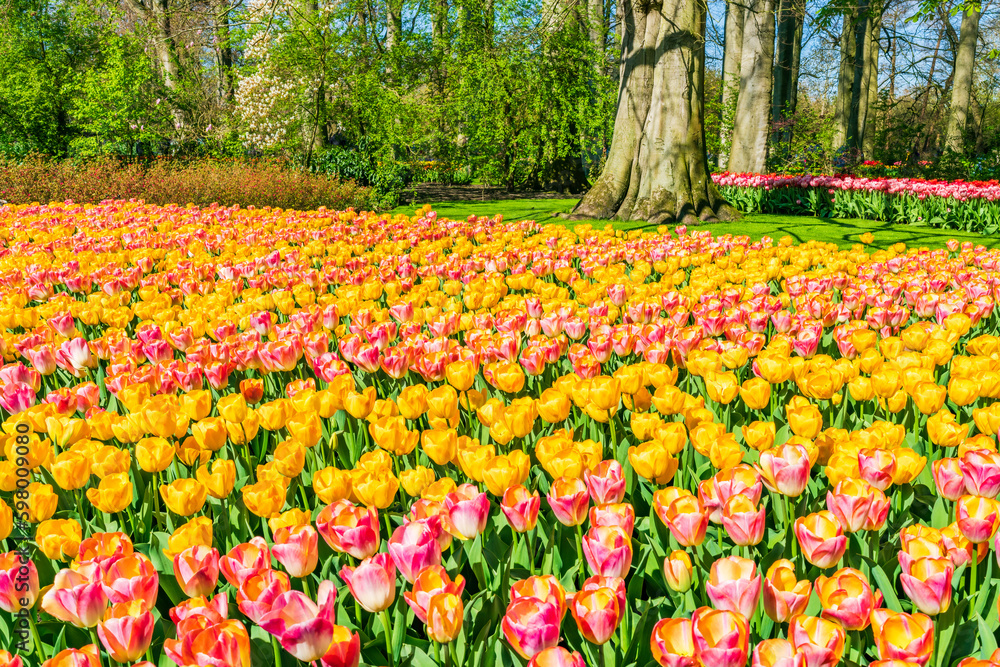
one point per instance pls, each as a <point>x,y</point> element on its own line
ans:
<point>844,233</point>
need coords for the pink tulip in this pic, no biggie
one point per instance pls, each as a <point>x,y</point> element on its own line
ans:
<point>846,598</point>
<point>948,478</point>
<point>785,469</point>
<point>18,582</point>
<point>734,585</point>
<point>126,631</point>
<point>74,599</point>
<point>431,581</point>
<point>743,522</point>
<point>606,483</point>
<point>130,578</point>
<point>721,637</point>
<point>597,613</point>
<point>297,549</point>
<point>977,517</point>
<point>304,628</point>
<point>672,642</point>
<point>413,547</point>
<point>821,642</point>
<point>531,626</point>
<point>776,653</point>
<point>557,656</point>
<point>981,473</point>
<point>877,467</point>
<point>616,584</point>
<point>618,514</point>
<point>215,610</point>
<point>468,510</point>
<point>608,551</point>
<point>372,583</point>
<point>197,570</point>
<point>850,502</point>
<point>927,582</point>
<point>245,560</point>
<point>521,508</point>
<point>258,592</point>
<point>350,529</point>
<point>569,499</point>
<point>821,538</point>
<point>545,587</point>
<point>738,480</point>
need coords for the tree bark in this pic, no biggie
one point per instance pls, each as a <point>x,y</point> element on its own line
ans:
<point>731,57</point>
<point>657,169</point>
<point>394,22</point>
<point>859,86</point>
<point>845,81</point>
<point>791,14</point>
<point>597,28</point>
<point>870,101</point>
<point>753,106</point>
<point>961,91</point>
<point>225,52</point>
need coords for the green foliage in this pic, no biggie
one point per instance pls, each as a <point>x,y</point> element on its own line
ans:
<point>117,106</point>
<point>802,142</point>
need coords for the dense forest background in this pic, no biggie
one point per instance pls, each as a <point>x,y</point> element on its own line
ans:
<point>516,93</point>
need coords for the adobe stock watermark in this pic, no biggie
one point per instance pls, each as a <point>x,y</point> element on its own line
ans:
<point>22,536</point>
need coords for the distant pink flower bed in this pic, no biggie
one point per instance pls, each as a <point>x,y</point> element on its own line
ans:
<point>918,187</point>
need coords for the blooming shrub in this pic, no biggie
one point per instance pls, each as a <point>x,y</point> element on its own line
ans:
<point>969,206</point>
<point>241,437</point>
<point>202,182</point>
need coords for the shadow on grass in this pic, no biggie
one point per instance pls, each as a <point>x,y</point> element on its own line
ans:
<point>844,233</point>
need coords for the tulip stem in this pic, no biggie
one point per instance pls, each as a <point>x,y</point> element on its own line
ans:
<point>531,552</point>
<point>37,639</point>
<point>788,528</point>
<point>847,645</point>
<point>306,588</point>
<point>277,651</point>
<point>600,656</point>
<point>387,625</point>
<point>972,584</point>
<point>614,442</point>
<point>97,643</point>
<point>437,651</point>
<point>579,554</point>
<point>79,509</point>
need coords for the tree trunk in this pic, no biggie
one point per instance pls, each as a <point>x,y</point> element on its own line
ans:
<point>961,91</point>
<point>597,29</point>
<point>657,169</point>
<point>753,106</point>
<point>731,57</point>
<point>845,82</point>
<point>789,49</point>
<point>394,21</point>
<point>225,52</point>
<point>870,101</point>
<point>439,26</point>
<point>859,85</point>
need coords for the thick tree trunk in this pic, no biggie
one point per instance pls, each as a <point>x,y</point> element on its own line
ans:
<point>753,107</point>
<point>845,81</point>
<point>859,85</point>
<point>961,91</point>
<point>731,57</point>
<point>657,169</point>
<point>791,14</point>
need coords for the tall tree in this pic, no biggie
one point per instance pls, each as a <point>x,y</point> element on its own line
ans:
<point>961,91</point>
<point>791,18</point>
<point>731,57</point>
<point>657,168</point>
<point>753,106</point>
<point>845,78</point>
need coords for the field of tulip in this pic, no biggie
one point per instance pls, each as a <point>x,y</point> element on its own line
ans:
<point>960,205</point>
<point>239,437</point>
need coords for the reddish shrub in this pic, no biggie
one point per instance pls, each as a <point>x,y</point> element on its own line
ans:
<point>264,182</point>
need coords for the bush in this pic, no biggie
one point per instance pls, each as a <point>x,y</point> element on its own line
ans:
<point>163,181</point>
<point>369,166</point>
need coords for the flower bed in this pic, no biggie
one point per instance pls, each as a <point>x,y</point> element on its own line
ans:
<point>259,437</point>
<point>967,206</point>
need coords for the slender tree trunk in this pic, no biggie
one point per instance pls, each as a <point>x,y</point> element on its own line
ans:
<point>596,26</point>
<point>394,22</point>
<point>225,51</point>
<point>961,91</point>
<point>439,26</point>
<point>872,52</point>
<point>731,57</point>
<point>845,81</point>
<point>789,49</point>
<point>753,107</point>
<point>657,169</point>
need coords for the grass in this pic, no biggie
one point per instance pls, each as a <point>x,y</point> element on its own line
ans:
<point>844,233</point>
